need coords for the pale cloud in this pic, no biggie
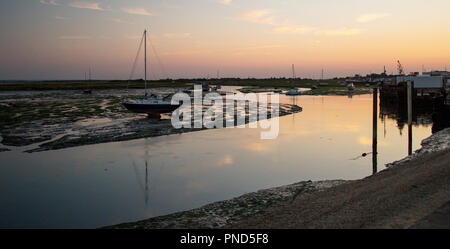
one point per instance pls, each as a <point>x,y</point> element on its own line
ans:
<point>257,16</point>
<point>266,17</point>
<point>224,2</point>
<point>177,35</point>
<point>298,30</point>
<point>117,20</point>
<point>291,29</point>
<point>104,37</point>
<point>339,32</point>
<point>171,5</point>
<point>137,11</point>
<point>188,52</point>
<point>371,17</point>
<point>49,2</point>
<point>258,47</point>
<point>86,5</point>
<point>60,17</point>
<point>74,37</point>
<point>137,37</point>
<point>133,37</point>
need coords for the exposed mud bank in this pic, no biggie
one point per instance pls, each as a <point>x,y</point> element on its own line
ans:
<point>51,120</point>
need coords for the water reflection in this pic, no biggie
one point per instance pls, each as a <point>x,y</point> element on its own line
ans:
<point>422,114</point>
<point>143,186</point>
<point>394,110</point>
<point>142,178</point>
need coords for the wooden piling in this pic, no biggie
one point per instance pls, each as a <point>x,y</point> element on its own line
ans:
<point>374,130</point>
<point>409,98</point>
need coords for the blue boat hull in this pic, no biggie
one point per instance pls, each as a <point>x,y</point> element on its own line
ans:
<point>150,108</point>
<point>293,94</point>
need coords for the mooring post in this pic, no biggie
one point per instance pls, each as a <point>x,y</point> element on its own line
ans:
<point>409,98</point>
<point>374,130</point>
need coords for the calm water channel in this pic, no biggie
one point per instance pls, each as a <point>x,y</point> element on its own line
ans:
<point>105,184</point>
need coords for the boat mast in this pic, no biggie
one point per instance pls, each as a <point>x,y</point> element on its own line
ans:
<point>145,61</point>
<point>293,75</point>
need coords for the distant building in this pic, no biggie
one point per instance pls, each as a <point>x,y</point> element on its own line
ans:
<point>444,74</point>
<point>424,81</point>
<point>437,73</point>
<point>402,78</point>
<point>428,82</point>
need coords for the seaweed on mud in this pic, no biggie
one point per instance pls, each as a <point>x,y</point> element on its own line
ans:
<point>39,118</point>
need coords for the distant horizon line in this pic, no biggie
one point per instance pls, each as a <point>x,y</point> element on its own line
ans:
<point>167,79</point>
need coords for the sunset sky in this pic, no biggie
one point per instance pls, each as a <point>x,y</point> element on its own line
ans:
<point>61,39</point>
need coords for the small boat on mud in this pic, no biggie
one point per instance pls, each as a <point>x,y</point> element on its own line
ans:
<point>205,87</point>
<point>153,106</point>
<point>351,87</point>
<point>293,91</point>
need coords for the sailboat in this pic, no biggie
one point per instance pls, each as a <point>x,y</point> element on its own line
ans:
<point>350,86</point>
<point>293,90</point>
<point>152,106</point>
<point>88,90</point>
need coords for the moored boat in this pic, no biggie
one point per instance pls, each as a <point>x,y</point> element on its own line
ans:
<point>293,91</point>
<point>152,106</point>
<point>351,87</point>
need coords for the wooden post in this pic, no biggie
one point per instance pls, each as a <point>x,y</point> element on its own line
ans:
<point>409,98</point>
<point>374,130</point>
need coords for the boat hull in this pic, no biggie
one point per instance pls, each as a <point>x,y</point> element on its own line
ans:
<point>150,108</point>
<point>293,93</point>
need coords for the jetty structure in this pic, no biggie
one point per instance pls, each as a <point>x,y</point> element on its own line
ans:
<point>426,94</point>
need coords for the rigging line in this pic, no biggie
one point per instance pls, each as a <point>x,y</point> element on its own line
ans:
<point>136,58</point>
<point>135,61</point>
<point>161,65</point>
